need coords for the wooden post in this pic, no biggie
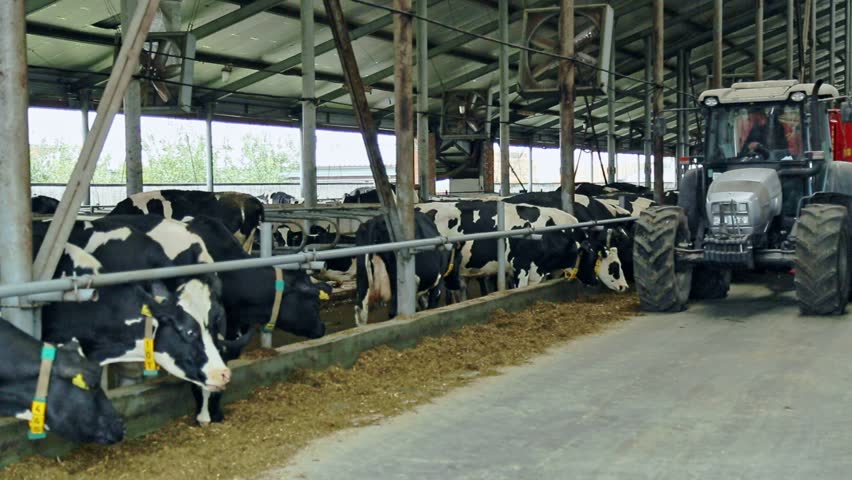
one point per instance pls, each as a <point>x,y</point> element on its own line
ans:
<point>566,104</point>
<point>125,65</point>
<point>659,34</point>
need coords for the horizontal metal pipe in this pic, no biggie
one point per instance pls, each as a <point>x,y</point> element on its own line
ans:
<point>92,281</point>
<point>80,295</point>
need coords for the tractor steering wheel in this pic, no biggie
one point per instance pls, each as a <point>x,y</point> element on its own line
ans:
<point>759,153</point>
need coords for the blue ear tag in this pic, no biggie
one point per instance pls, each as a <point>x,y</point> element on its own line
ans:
<point>279,285</point>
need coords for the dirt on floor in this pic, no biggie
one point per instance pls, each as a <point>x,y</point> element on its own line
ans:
<point>276,421</point>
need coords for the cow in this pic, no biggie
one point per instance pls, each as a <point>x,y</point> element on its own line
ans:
<point>588,209</point>
<point>337,270</point>
<point>186,312</point>
<point>364,195</point>
<point>633,203</point>
<point>528,260</point>
<point>278,198</point>
<point>376,274</point>
<point>241,213</point>
<point>594,189</point>
<point>248,294</point>
<point>77,408</point>
<point>44,205</point>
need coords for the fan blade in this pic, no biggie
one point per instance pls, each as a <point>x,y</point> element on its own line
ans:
<point>162,90</point>
<point>584,37</point>
<point>171,71</point>
<point>543,68</point>
<point>543,43</point>
<point>587,59</point>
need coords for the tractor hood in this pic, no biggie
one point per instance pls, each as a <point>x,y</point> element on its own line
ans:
<point>743,201</point>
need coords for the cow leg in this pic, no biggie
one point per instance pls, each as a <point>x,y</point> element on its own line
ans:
<point>208,406</point>
<point>483,286</point>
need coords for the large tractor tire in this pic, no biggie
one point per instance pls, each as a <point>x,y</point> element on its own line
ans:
<point>662,282</point>
<point>822,259</point>
<point>709,283</point>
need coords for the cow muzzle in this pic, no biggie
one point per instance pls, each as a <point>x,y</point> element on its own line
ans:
<point>218,379</point>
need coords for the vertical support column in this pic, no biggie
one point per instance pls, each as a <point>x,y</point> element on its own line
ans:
<point>682,117</point>
<point>649,94</point>
<point>16,216</point>
<point>84,114</point>
<point>832,44</point>
<point>847,78</point>
<point>566,104</point>
<point>132,115</point>
<point>717,42</point>
<point>265,251</point>
<point>791,35</point>
<point>530,189</point>
<point>503,6</point>
<point>611,147</point>
<point>209,170</point>
<point>427,182</point>
<point>309,107</point>
<point>403,30</point>
<point>659,34</point>
<point>501,247</point>
<point>812,39</point>
<point>758,40</point>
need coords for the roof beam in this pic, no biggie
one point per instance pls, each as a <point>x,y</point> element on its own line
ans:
<point>237,16</point>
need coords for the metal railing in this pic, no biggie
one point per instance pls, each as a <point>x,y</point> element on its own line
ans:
<point>303,259</point>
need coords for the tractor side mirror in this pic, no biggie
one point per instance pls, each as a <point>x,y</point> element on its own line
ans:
<point>846,111</point>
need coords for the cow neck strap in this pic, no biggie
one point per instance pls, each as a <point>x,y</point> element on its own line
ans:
<point>452,261</point>
<point>276,304</point>
<point>571,273</point>
<point>151,368</point>
<point>39,405</point>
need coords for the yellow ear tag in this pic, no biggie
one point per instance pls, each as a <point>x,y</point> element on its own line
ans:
<point>150,365</point>
<point>598,265</point>
<point>79,382</point>
<point>39,409</point>
<point>570,274</point>
<point>323,295</point>
<point>146,310</point>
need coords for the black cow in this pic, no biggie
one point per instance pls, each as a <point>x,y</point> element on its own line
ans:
<point>594,189</point>
<point>376,274</point>
<point>44,205</point>
<point>187,311</point>
<point>364,195</point>
<point>241,213</point>
<point>77,408</point>
<point>247,295</point>
<point>528,260</point>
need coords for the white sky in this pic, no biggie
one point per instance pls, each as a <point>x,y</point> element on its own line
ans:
<point>333,148</point>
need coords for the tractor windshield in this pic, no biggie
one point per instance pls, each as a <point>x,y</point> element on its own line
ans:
<point>759,133</point>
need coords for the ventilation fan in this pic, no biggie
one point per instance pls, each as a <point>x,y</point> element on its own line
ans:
<point>464,115</point>
<point>166,65</point>
<point>538,73</point>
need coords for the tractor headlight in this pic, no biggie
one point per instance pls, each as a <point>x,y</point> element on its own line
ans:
<point>729,213</point>
<point>711,101</point>
<point>797,96</point>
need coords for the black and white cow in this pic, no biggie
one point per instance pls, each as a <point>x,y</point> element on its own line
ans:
<point>364,195</point>
<point>633,203</point>
<point>44,205</point>
<point>594,189</point>
<point>337,270</point>
<point>278,198</point>
<point>241,213</point>
<point>528,260</point>
<point>376,274</point>
<point>187,311</point>
<point>248,294</point>
<point>77,408</point>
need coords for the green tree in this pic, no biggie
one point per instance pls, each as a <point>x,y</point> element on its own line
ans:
<point>167,161</point>
<point>53,162</point>
<point>261,159</point>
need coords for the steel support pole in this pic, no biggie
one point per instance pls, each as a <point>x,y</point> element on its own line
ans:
<point>758,40</point>
<point>682,114</point>
<point>309,107</point>
<point>132,116</point>
<point>812,39</point>
<point>16,214</point>
<point>265,251</point>
<point>832,44</point>
<point>403,30</point>
<point>659,66</point>
<point>648,139</point>
<point>718,16</point>
<point>84,114</point>
<point>427,184</point>
<point>791,35</point>
<point>503,6</point>
<point>611,147</point>
<point>531,167</point>
<point>501,247</point>
<point>566,104</point>
<point>209,170</point>
<point>847,79</point>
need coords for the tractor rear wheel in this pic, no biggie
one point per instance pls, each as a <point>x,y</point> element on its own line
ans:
<point>709,283</point>
<point>822,261</point>
<point>663,283</point>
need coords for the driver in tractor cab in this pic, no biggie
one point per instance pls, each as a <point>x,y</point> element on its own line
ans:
<point>758,140</point>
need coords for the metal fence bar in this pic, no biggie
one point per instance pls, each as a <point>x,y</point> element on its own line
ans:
<point>501,247</point>
<point>266,252</point>
<point>304,258</point>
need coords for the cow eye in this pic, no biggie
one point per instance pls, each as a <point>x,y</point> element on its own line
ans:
<point>190,333</point>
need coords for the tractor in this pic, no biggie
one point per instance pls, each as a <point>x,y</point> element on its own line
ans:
<point>767,195</point>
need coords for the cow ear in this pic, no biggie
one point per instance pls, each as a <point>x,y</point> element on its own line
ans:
<point>160,291</point>
<point>432,213</point>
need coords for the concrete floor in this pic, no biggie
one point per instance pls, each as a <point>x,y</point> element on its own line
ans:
<point>741,388</point>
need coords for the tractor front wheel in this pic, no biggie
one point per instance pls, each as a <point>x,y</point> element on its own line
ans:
<point>663,283</point>
<point>822,261</point>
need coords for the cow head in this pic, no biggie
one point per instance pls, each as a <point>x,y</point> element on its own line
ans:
<point>188,319</point>
<point>77,408</point>
<point>608,269</point>
<point>300,305</point>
